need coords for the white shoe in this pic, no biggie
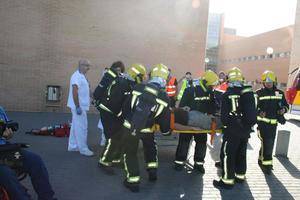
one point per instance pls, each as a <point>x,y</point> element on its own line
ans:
<point>73,149</point>
<point>87,153</point>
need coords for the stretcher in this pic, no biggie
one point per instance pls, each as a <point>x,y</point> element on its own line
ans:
<point>197,131</point>
<point>212,131</point>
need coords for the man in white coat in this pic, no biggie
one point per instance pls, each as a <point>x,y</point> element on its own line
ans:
<point>79,103</point>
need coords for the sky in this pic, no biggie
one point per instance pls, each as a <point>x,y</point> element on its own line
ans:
<point>251,17</point>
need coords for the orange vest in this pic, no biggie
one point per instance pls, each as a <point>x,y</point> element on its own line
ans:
<point>222,88</point>
<point>171,87</point>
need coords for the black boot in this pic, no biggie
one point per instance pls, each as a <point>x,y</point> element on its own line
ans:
<point>152,174</point>
<point>199,168</point>
<point>239,180</point>
<point>106,169</point>
<point>133,187</point>
<point>221,185</point>
<point>266,169</point>
<point>178,167</point>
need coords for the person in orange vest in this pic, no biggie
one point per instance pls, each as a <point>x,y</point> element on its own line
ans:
<point>171,89</point>
<point>221,87</point>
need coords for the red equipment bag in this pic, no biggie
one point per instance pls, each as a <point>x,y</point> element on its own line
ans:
<point>62,131</point>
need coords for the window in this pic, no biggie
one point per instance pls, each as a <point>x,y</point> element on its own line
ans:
<point>53,93</point>
<point>287,54</point>
<point>255,57</point>
<point>277,55</point>
<point>262,57</point>
<point>283,85</point>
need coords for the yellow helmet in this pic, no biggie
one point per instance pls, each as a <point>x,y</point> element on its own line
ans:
<point>211,78</point>
<point>235,74</point>
<point>160,70</point>
<point>137,70</point>
<point>268,77</point>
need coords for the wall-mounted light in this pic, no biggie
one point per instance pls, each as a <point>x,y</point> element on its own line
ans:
<point>270,50</point>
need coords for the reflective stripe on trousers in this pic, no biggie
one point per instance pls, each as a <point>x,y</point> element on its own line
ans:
<point>267,162</point>
<point>228,181</point>
<point>240,176</point>
<point>102,159</point>
<point>199,163</point>
<point>179,162</point>
<point>130,179</point>
<point>225,177</point>
<point>152,165</point>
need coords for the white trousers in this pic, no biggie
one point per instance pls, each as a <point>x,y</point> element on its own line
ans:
<point>215,148</point>
<point>78,132</point>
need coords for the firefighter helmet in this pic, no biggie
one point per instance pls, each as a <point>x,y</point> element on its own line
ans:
<point>211,78</point>
<point>160,70</point>
<point>137,70</point>
<point>235,74</point>
<point>268,77</point>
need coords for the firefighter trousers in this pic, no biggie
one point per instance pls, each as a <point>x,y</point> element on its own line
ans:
<point>233,157</point>
<point>113,149</point>
<point>111,123</point>
<point>266,134</point>
<point>131,144</point>
<point>183,148</point>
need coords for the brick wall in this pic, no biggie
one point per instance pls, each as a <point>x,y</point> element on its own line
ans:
<point>42,41</point>
<point>280,40</point>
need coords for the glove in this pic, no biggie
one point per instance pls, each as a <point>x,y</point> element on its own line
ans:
<point>281,111</point>
<point>78,111</point>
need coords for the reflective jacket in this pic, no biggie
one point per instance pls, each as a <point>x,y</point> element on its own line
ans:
<point>199,98</point>
<point>115,95</point>
<point>104,84</point>
<point>238,111</point>
<point>271,101</point>
<point>185,84</point>
<point>161,112</point>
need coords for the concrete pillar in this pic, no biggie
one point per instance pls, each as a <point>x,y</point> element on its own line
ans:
<point>282,144</point>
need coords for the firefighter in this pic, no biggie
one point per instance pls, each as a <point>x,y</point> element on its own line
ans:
<point>102,100</point>
<point>187,81</point>
<point>271,107</point>
<point>171,89</point>
<point>111,117</point>
<point>148,104</point>
<point>238,115</point>
<point>198,98</point>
